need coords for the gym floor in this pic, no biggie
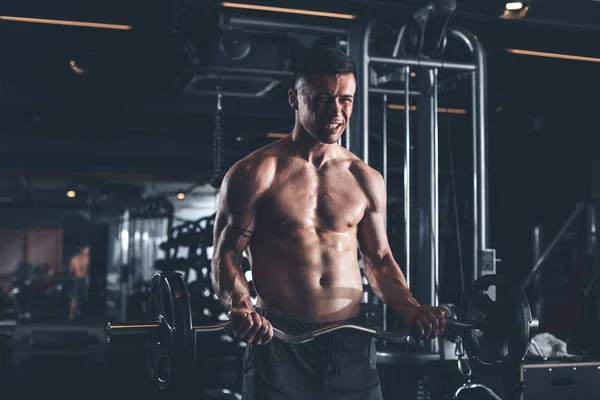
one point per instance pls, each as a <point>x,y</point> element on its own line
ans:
<point>118,121</point>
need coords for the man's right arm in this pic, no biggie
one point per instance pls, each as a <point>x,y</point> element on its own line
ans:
<point>234,227</point>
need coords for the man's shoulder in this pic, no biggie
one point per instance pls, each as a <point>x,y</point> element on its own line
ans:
<point>256,162</point>
<point>255,171</point>
<point>362,170</point>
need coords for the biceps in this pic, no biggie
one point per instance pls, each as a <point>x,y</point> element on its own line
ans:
<point>233,231</point>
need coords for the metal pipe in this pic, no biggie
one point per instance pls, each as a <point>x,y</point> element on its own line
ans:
<point>393,91</point>
<point>385,177</point>
<point>435,198</point>
<point>384,147</point>
<point>365,89</point>
<point>346,135</point>
<point>591,230</point>
<point>399,39</point>
<point>592,248</point>
<point>537,242</point>
<point>407,180</point>
<point>538,307</point>
<point>552,246</point>
<point>231,20</point>
<point>125,268</point>
<point>537,246</point>
<point>479,114</point>
<point>418,62</point>
<point>130,329</point>
<point>425,280</point>
<point>475,162</point>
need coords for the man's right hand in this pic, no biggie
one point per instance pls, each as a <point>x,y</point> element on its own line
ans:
<point>250,326</point>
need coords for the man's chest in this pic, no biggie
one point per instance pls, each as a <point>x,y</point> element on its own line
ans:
<point>333,200</point>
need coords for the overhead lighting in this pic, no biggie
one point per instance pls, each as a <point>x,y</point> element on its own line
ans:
<point>288,10</point>
<point>180,196</point>
<point>515,10</point>
<point>553,55</point>
<point>67,23</point>
<point>76,68</point>
<point>71,193</point>
<point>440,109</point>
<point>276,135</point>
<point>514,5</point>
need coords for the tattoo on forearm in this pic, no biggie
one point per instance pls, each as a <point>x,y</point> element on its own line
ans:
<point>241,232</point>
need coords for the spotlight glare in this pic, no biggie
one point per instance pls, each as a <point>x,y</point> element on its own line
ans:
<point>514,6</point>
<point>71,193</point>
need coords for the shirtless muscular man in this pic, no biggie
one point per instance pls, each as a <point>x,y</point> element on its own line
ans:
<point>299,207</point>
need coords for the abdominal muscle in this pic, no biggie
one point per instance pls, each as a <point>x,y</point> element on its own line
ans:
<point>307,275</point>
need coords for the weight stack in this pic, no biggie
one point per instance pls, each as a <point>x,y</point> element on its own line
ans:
<point>560,380</point>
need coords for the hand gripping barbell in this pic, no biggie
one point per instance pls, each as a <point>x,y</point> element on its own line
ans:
<point>495,332</point>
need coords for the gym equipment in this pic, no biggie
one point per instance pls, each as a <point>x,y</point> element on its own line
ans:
<point>495,337</point>
<point>507,317</point>
<point>218,145</point>
<point>7,328</point>
<point>190,234</point>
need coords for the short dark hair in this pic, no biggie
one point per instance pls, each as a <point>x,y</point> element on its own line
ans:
<point>322,59</point>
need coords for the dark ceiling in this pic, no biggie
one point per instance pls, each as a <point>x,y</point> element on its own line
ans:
<point>142,105</point>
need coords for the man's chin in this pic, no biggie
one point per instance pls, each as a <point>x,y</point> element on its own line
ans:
<point>328,141</point>
<point>327,138</point>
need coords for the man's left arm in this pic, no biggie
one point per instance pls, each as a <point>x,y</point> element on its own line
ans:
<point>383,273</point>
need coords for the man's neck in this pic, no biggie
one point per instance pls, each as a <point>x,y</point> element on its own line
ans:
<point>310,149</point>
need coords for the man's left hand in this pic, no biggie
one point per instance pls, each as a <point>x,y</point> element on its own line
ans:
<point>429,322</point>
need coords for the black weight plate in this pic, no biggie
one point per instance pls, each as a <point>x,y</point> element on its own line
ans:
<point>170,355</point>
<point>501,345</point>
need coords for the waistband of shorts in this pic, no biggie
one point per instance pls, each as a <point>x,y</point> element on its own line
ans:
<point>295,325</point>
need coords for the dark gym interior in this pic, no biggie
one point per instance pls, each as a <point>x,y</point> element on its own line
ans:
<point>119,120</point>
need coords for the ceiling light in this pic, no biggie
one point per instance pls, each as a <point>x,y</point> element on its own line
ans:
<point>180,196</point>
<point>514,6</point>
<point>76,68</point>
<point>553,55</point>
<point>276,135</point>
<point>288,10</point>
<point>67,23</point>
<point>71,193</point>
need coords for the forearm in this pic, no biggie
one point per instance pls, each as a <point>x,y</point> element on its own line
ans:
<point>388,283</point>
<point>229,282</point>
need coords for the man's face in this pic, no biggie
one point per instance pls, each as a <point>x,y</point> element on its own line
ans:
<point>324,104</point>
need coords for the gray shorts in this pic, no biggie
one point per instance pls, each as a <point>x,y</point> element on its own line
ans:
<point>340,365</point>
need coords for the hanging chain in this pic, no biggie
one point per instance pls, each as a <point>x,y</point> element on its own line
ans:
<point>218,143</point>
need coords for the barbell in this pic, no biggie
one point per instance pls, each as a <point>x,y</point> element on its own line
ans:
<point>495,327</point>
